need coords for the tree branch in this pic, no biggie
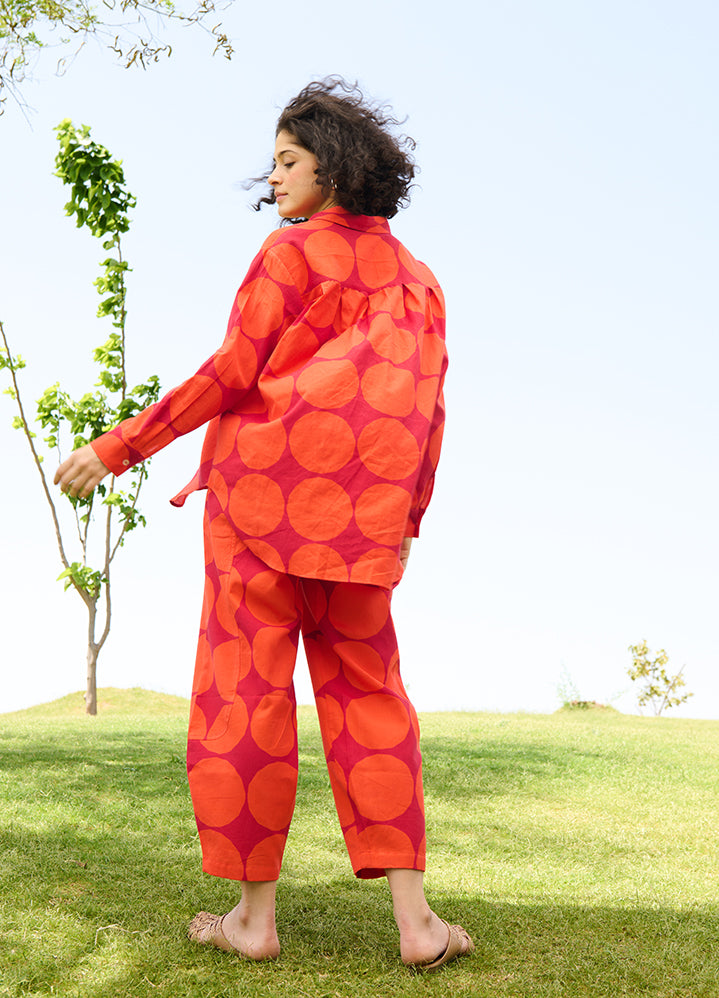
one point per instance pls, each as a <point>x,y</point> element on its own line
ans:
<point>36,458</point>
<point>108,559</point>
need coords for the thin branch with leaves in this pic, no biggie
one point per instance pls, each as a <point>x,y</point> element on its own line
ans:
<point>131,29</point>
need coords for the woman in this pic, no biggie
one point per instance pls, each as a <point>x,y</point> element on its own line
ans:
<point>325,420</point>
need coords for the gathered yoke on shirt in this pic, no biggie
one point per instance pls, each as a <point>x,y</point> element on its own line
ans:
<point>324,403</point>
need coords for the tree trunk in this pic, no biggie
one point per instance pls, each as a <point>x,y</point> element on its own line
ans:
<point>92,653</point>
<point>91,692</point>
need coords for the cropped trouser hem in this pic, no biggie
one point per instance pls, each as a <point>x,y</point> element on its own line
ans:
<point>369,866</point>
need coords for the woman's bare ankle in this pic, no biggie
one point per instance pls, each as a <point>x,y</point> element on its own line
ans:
<point>250,925</point>
<point>422,934</point>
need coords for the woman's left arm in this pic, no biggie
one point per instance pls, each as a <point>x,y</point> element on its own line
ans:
<point>262,310</point>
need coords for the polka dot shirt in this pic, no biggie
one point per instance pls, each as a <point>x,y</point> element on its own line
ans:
<point>324,403</point>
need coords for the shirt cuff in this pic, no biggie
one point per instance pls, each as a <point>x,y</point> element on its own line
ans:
<point>112,452</point>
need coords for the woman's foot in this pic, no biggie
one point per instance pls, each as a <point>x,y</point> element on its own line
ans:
<point>459,943</point>
<point>425,940</point>
<point>252,932</point>
<point>212,930</point>
<point>249,929</point>
<point>432,945</point>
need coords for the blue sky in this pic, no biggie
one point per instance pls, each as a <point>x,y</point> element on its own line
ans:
<point>567,203</point>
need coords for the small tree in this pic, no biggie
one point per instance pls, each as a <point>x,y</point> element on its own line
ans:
<point>101,202</point>
<point>659,688</point>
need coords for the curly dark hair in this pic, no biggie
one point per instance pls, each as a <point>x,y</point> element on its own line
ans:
<point>368,169</point>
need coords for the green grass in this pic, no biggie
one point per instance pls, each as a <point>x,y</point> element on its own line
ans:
<point>579,849</point>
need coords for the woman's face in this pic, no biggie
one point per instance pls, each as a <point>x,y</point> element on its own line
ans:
<point>294,180</point>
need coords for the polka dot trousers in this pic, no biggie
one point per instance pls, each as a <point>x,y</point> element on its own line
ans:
<point>242,748</point>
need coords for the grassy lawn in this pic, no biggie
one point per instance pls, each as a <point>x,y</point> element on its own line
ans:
<point>579,849</point>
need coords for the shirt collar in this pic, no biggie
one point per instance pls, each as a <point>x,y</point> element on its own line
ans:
<point>363,223</point>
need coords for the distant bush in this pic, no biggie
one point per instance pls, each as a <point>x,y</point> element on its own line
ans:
<point>660,689</point>
<point>587,705</point>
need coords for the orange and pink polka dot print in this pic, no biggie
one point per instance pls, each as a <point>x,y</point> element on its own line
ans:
<point>325,413</point>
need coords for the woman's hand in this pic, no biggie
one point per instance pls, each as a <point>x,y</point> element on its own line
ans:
<point>81,472</point>
<point>404,552</point>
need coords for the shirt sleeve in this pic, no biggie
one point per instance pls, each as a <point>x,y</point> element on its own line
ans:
<point>265,305</point>
<point>425,482</point>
